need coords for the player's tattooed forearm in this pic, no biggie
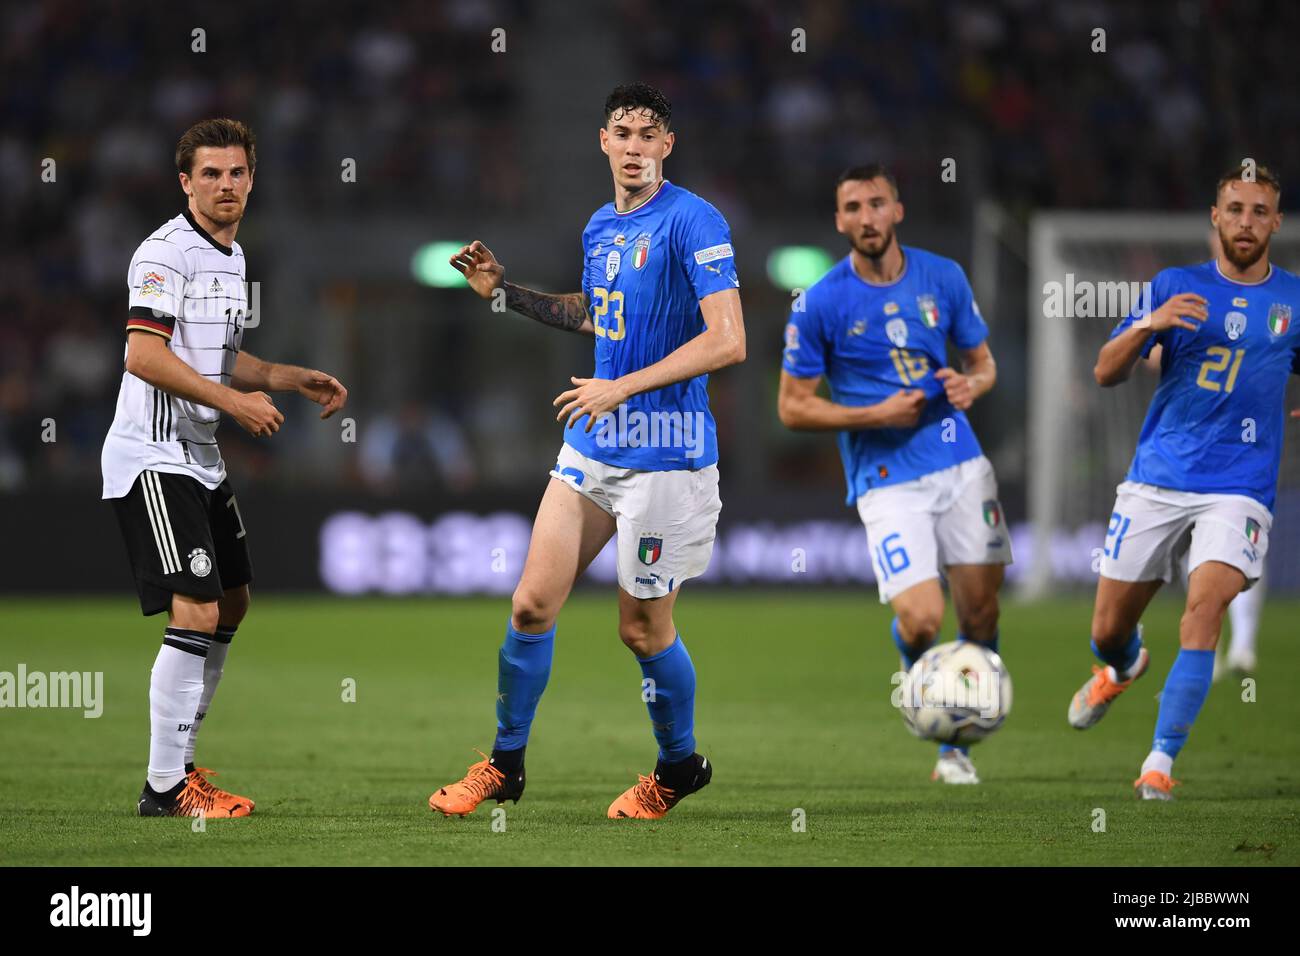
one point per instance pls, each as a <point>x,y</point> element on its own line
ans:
<point>567,312</point>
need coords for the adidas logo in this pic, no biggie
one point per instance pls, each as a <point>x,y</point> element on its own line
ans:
<point>216,288</point>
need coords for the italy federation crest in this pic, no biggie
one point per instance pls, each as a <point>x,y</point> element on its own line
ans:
<point>650,549</point>
<point>1252,530</point>
<point>640,252</point>
<point>612,263</point>
<point>929,311</point>
<point>1279,318</point>
<point>992,513</point>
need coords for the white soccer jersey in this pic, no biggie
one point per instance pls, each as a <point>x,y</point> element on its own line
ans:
<point>188,288</point>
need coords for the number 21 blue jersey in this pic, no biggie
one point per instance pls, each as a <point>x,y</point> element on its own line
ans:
<point>1217,420</point>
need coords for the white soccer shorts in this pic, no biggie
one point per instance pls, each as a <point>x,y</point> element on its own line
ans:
<point>1155,532</point>
<point>667,520</point>
<point>915,528</point>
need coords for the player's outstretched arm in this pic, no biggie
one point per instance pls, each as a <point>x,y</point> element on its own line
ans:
<point>486,275</point>
<point>252,374</point>
<point>978,375</point>
<point>1117,357</point>
<point>800,408</point>
<point>722,343</point>
<point>148,358</point>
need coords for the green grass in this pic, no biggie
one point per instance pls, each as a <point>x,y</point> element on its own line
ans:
<point>793,708</point>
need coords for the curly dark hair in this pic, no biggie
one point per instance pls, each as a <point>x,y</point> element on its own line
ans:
<point>639,96</point>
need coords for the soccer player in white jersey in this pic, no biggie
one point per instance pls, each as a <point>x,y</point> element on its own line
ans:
<point>661,298</point>
<point>162,468</point>
<point>877,327</point>
<point>1204,476</point>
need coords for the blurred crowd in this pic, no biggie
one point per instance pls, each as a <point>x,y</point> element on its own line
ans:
<point>1017,92</point>
<point>1087,103</point>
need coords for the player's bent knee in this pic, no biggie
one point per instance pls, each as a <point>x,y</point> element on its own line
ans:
<point>200,616</point>
<point>531,613</point>
<point>636,634</point>
<point>920,628</point>
<point>1110,629</point>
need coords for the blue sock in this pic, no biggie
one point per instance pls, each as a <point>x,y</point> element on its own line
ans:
<point>1185,690</point>
<point>1123,657</point>
<point>910,654</point>
<point>523,667</point>
<point>991,643</point>
<point>671,700</point>
<point>944,748</point>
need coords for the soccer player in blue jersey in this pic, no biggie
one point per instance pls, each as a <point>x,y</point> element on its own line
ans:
<point>1202,482</point>
<point>661,298</point>
<point>877,326</point>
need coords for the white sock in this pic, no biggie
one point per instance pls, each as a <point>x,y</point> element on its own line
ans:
<point>1244,612</point>
<point>175,685</point>
<point>1158,760</point>
<point>213,665</point>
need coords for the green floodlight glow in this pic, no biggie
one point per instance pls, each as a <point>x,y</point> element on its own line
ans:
<point>429,265</point>
<point>797,267</point>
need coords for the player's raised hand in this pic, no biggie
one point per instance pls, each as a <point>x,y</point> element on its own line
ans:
<point>480,268</point>
<point>902,409</point>
<point>256,413</point>
<point>592,396</point>
<point>324,390</point>
<point>1176,312</point>
<point>960,392</point>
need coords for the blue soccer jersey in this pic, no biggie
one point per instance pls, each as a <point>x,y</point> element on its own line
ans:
<point>1217,419</point>
<point>644,274</point>
<point>870,341</point>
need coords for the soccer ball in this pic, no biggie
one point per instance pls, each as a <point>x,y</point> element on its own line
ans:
<point>956,693</point>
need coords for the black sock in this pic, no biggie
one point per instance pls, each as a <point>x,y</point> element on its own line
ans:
<point>508,761</point>
<point>675,776</point>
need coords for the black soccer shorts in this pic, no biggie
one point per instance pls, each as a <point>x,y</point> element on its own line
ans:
<point>182,538</point>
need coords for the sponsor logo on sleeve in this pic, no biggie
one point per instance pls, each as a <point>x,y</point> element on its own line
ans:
<point>713,253</point>
<point>153,284</point>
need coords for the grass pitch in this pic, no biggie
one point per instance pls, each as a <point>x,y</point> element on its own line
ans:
<point>792,708</point>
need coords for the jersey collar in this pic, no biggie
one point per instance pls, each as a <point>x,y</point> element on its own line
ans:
<point>224,250</point>
<point>848,261</point>
<point>645,202</point>
<point>1219,272</point>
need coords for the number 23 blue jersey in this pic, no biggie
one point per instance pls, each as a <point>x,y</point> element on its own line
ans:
<point>644,274</point>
